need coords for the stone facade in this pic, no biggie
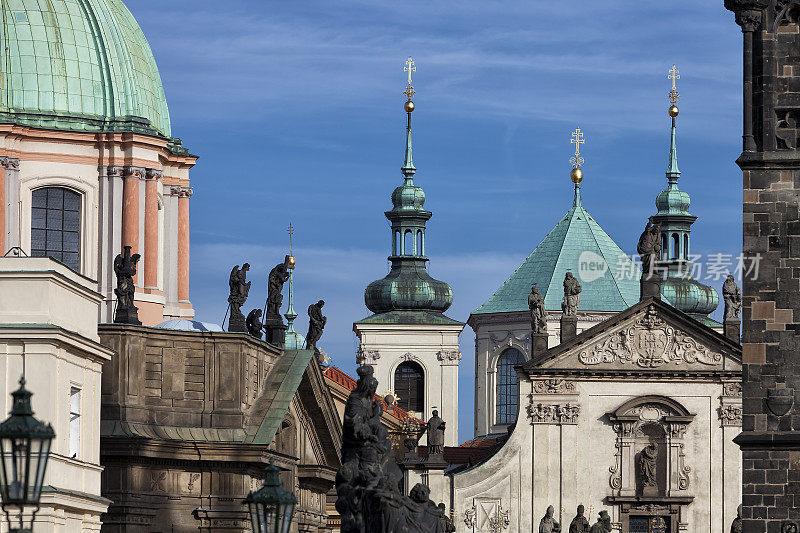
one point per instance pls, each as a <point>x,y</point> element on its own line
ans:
<point>588,409</point>
<point>190,418</point>
<point>770,160</point>
<point>48,327</point>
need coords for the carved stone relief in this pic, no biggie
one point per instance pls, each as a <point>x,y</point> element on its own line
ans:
<point>730,415</point>
<point>451,357</point>
<point>553,413</point>
<point>554,386</point>
<point>367,357</point>
<point>649,343</point>
<point>509,339</point>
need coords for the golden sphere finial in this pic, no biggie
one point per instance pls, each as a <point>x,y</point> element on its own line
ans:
<point>409,106</point>
<point>576,175</point>
<point>292,262</point>
<point>673,111</point>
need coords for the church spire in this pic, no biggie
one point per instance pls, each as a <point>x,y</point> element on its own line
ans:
<point>672,169</point>
<point>408,165</point>
<point>576,175</point>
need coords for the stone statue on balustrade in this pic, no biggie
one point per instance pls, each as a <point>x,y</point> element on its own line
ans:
<point>538,313</point>
<point>316,324</point>
<point>603,524</point>
<point>253,323</point>
<point>277,277</point>
<point>239,290</point>
<point>436,427</point>
<point>649,248</point>
<point>548,524</point>
<point>125,270</point>
<point>732,297</point>
<point>572,295</point>
<point>368,498</point>
<point>579,524</point>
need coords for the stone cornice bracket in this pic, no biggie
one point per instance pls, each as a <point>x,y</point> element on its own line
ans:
<point>554,386</point>
<point>553,413</point>
<point>154,174</point>
<point>449,357</point>
<point>367,357</point>
<point>9,163</point>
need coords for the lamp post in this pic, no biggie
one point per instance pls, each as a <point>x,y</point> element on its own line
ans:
<point>24,450</point>
<point>271,508</point>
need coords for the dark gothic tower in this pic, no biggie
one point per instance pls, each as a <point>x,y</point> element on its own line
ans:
<point>770,163</point>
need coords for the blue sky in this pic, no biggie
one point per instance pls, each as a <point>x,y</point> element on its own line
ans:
<point>295,109</point>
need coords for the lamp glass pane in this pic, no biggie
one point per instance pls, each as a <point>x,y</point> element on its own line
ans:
<point>288,511</point>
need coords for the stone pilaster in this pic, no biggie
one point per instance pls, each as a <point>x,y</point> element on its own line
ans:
<point>770,440</point>
<point>9,207</point>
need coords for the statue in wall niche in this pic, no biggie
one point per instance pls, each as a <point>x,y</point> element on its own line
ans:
<point>736,525</point>
<point>239,290</point>
<point>603,524</point>
<point>548,524</point>
<point>649,248</point>
<point>368,498</point>
<point>579,524</point>
<point>647,466</point>
<point>538,313</point>
<point>253,323</point>
<point>316,323</point>
<point>125,269</point>
<point>733,298</point>
<point>277,277</point>
<point>435,429</point>
<point>572,295</point>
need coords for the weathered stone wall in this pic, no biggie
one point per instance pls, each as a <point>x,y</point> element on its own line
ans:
<point>770,163</point>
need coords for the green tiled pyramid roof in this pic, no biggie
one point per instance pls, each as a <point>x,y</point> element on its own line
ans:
<point>576,237</point>
<point>80,65</point>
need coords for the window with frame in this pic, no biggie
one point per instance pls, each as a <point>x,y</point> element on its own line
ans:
<point>508,386</point>
<point>74,421</point>
<point>409,386</point>
<point>56,225</point>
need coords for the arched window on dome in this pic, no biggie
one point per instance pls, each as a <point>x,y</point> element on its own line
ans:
<point>664,247</point>
<point>508,386</point>
<point>419,243</point>
<point>396,243</point>
<point>56,225</point>
<point>409,386</point>
<point>676,246</point>
<point>408,243</point>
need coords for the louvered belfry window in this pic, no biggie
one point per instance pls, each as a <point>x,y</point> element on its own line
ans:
<point>56,225</point>
<point>409,386</point>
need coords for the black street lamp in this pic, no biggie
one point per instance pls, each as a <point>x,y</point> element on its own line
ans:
<point>24,450</point>
<point>271,508</point>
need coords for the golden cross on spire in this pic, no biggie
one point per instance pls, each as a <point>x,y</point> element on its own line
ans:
<point>577,140</point>
<point>290,230</point>
<point>674,75</point>
<point>410,67</point>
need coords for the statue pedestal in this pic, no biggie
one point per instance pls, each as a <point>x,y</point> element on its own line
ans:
<point>538,344</point>
<point>569,327</point>
<point>650,490</point>
<point>650,288</point>
<point>237,321</point>
<point>275,332</point>
<point>732,329</point>
<point>127,315</point>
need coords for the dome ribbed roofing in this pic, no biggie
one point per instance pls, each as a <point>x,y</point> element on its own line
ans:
<point>80,65</point>
<point>576,239</point>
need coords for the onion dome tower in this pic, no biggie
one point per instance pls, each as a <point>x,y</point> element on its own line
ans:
<point>679,287</point>
<point>408,289</point>
<point>410,343</point>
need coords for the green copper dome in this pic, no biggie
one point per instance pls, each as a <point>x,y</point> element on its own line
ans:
<point>79,65</point>
<point>673,201</point>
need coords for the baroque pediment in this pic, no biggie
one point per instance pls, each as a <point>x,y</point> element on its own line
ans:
<point>648,340</point>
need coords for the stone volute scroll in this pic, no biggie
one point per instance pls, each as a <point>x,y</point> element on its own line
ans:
<point>650,460</point>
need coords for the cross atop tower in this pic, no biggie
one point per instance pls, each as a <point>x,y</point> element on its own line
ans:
<point>410,67</point>
<point>674,75</point>
<point>577,140</point>
<point>290,231</point>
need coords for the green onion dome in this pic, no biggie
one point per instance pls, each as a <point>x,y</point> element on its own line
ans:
<point>690,296</point>
<point>673,201</point>
<point>408,287</point>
